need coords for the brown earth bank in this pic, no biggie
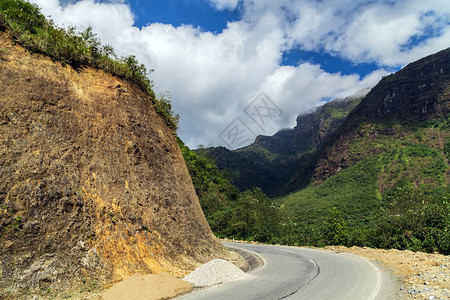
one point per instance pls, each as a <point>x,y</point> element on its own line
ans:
<point>423,275</point>
<point>93,187</point>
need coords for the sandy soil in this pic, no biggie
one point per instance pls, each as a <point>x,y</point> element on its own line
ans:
<point>148,287</point>
<point>423,275</point>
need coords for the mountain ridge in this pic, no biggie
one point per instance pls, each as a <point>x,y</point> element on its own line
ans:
<point>417,93</point>
<point>271,161</point>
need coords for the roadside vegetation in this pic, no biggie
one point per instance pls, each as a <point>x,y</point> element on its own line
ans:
<point>398,199</point>
<point>28,27</point>
<point>249,215</point>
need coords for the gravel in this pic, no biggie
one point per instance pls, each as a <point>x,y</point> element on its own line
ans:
<point>215,272</point>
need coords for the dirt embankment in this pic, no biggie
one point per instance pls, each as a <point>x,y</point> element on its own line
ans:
<point>422,275</point>
<point>93,187</point>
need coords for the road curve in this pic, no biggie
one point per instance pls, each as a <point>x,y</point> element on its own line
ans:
<point>298,273</point>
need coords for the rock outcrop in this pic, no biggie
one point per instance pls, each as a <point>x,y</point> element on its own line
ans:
<point>93,187</point>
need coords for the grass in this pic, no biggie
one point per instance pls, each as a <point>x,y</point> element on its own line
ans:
<point>30,28</point>
<point>359,191</point>
<point>353,191</point>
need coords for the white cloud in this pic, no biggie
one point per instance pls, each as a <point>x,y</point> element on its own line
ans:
<point>213,76</point>
<point>362,31</point>
<point>225,4</point>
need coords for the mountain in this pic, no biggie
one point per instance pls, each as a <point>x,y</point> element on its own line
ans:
<point>370,172</point>
<point>271,161</point>
<point>93,186</point>
<point>405,108</point>
<point>394,144</point>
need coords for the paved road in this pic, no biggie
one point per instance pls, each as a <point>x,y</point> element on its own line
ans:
<point>298,273</point>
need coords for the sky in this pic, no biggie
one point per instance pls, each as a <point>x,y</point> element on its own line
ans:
<point>235,69</point>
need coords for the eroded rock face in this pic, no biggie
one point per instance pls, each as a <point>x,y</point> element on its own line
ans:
<point>92,183</point>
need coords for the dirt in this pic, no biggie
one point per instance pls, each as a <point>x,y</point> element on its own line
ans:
<point>148,287</point>
<point>422,275</point>
<point>93,186</point>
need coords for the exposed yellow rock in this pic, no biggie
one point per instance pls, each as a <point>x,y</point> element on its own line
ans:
<point>93,186</point>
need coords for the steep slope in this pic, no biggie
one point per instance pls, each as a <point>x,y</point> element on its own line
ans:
<point>392,151</point>
<point>405,107</point>
<point>93,187</point>
<point>271,161</point>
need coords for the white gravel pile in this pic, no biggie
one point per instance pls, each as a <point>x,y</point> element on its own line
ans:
<point>215,272</point>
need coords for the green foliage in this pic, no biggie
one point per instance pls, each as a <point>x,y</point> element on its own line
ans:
<point>414,221</point>
<point>255,217</point>
<point>352,191</point>
<point>163,106</point>
<point>379,203</point>
<point>334,228</point>
<point>447,150</point>
<point>24,12</point>
<point>29,27</point>
<point>250,215</point>
<point>441,123</point>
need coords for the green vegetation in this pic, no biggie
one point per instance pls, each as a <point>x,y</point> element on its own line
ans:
<point>334,228</point>
<point>414,220</point>
<point>447,150</point>
<point>250,215</point>
<point>29,27</point>
<point>353,191</point>
<point>163,106</point>
<point>393,200</point>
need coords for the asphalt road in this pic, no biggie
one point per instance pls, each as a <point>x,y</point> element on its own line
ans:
<point>299,273</point>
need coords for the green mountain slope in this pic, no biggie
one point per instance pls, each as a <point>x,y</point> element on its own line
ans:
<point>408,107</point>
<point>271,161</point>
<point>392,149</point>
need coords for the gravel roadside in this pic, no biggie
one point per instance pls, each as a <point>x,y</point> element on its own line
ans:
<point>215,272</point>
<point>422,275</point>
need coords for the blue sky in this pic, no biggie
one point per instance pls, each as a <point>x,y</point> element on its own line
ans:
<point>199,13</point>
<point>215,58</point>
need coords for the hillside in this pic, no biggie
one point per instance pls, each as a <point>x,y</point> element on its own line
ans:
<point>271,161</point>
<point>93,186</point>
<point>385,172</point>
<point>409,107</point>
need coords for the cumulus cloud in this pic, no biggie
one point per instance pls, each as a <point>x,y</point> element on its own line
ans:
<point>362,31</point>
<point>212,77</point>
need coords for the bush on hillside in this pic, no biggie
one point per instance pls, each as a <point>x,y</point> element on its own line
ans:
<point>29,27</point>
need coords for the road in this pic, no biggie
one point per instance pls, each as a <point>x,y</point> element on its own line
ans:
<point>298,273</point>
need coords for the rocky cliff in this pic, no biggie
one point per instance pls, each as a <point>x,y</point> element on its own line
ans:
<point>397,109</point>
<point>93,187</point>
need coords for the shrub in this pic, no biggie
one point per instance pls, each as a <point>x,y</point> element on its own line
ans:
<point>334,228</point>
<point>28,27</point>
